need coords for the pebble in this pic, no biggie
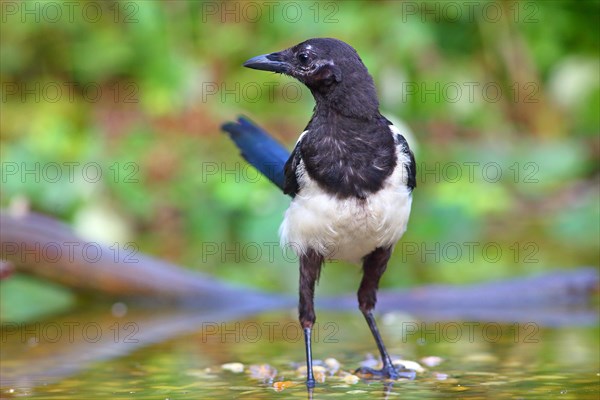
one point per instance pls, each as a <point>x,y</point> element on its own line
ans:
<point>317,369</point>
<point>332,364</point>
<point>432,361</point>
<point>262,371</point>
<point>370,362</point>
<point>234,367</point>
<point>412,365</point>
<point>440,376</point>
<point>280,386</point>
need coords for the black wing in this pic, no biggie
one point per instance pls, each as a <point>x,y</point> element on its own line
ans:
<point>411,167</point>
<point>290,185</point>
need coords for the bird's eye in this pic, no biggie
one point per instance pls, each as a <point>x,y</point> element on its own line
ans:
<point>303,58</point>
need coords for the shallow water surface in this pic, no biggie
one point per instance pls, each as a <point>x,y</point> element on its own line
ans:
<point>460,359</point>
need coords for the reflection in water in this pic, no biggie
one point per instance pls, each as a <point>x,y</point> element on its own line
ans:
<point>469,359</point>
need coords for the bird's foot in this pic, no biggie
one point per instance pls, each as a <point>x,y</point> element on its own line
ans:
<point>387,372</point>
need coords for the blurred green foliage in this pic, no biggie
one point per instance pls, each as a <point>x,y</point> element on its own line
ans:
<point>140,93</point>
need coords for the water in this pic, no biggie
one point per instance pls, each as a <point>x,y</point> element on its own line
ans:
<point>169,355</point>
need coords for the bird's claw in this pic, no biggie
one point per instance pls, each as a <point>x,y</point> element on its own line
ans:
<point>387,372</point>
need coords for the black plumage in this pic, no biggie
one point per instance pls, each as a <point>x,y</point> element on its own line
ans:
<point>345,174</point>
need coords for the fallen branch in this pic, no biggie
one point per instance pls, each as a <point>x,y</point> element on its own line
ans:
<point>24,238</point>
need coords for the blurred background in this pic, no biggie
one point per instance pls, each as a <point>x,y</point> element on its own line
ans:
<point>111,115</point>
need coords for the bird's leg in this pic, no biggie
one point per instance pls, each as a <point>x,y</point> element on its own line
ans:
<point>374,266</point>
<point>310,269</point>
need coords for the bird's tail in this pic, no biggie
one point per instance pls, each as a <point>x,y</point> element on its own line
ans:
<point>258,148</point>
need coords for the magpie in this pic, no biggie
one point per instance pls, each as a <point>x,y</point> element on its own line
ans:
<point>350,177</point>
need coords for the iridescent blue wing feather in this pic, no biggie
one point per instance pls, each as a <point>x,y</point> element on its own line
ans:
<point>257,147</point>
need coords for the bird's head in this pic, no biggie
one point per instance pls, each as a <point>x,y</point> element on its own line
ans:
<point>330,68</point>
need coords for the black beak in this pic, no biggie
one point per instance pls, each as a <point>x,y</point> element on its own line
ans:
<point>268,62</point>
